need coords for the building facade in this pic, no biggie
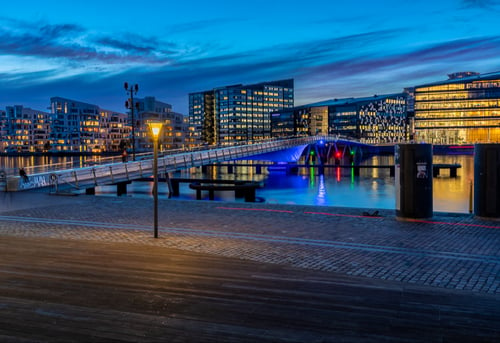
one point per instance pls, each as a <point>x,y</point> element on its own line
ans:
<point>239,113</point>
<point>464,109</point>
<point>114,129</point>
<point>174,132</point>
<point>4,142</point>
<point>24,130</point>
<point>79,127</point>
<point>75,126</point>
<point>377,119</point>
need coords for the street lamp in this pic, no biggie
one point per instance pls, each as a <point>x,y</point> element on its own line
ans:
<point>129,104</point>
<point>155,127</point>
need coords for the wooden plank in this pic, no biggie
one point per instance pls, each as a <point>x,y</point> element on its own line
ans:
<point>58,290</point>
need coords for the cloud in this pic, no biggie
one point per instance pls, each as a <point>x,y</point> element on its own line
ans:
<point>72,43</point>
<point>352,65</point>
<point>456,52</point>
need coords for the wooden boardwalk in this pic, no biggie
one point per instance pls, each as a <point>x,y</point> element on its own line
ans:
<point>55,290</point>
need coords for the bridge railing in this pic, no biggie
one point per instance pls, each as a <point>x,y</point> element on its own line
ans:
<point>112,173</point>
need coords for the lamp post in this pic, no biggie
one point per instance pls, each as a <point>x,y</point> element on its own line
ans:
<point>130,105</point>
<point>155,127</point>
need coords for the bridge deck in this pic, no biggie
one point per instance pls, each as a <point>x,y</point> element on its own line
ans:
<point>112,173</point>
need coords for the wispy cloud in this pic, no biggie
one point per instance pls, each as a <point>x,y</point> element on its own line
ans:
<point>92,66</point>
<point>75,43</point>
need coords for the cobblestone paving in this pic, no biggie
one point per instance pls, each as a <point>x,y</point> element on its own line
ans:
<point>449,251</point>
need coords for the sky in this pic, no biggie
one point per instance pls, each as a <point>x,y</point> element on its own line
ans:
<point>86,50</point>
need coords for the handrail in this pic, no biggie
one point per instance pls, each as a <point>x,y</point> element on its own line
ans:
<point>112,172</point>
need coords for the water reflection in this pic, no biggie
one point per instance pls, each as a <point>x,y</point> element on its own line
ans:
<point>373,188</point>
<point>31,163</point>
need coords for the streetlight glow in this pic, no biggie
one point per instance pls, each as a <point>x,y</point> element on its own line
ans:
<point>155,127</point>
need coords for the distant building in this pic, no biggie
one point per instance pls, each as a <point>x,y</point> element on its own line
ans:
<point>410,110</point>
<point>75,126</point>
<point>114,129</point>
<point>175,129</point>
<point>377,119</point>
<point>4,142</point>
<point>232,114</point>
<point>80,127</point>
<point>464,109</point>
<point>24,130</point>
<point>191,134</point>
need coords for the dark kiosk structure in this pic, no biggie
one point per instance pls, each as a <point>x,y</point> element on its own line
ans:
<point>413,180</point>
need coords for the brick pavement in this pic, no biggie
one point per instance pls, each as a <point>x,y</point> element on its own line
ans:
<point>450,251</point>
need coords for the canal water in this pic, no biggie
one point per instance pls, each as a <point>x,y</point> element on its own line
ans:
<point>373,188</point>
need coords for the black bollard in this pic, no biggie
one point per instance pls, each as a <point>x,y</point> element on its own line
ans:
<point>487,180</point>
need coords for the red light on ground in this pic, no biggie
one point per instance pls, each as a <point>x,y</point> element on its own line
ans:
<point>341,215</point>
<point>455,224</point>
<point>252,209</point>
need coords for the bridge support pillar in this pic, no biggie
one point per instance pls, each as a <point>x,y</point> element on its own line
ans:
<point>90,191</point>
<point>169,185</point>
<point>258,169</point>
<point>204,169</point>
<point>250,195</point>
<point>121,188</point>
<point>175,187</point>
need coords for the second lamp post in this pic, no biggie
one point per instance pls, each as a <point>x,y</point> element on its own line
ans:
<point>129,104</point>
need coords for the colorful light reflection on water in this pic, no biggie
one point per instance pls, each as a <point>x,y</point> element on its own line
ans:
<point>373,188</point>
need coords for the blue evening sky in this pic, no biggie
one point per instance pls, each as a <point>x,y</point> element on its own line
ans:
<point>86,50</point>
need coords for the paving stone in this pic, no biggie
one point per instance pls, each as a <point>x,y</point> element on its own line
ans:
<point>449,251</point>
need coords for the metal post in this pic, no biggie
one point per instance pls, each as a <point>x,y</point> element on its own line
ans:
<point>133,89</point>
<point>133,123</point>
<point>155,185</point>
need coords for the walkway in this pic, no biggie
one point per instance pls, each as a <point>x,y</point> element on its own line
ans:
<point>448,266</point>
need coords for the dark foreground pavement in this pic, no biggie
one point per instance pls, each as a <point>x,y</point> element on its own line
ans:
<point>86,269</point>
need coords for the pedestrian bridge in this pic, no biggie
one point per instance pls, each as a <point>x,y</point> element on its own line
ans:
<point>118,172</point>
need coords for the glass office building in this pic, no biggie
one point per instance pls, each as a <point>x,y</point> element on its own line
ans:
<point>465,109</point>
<point>377,119</point>
<point>232,114</point>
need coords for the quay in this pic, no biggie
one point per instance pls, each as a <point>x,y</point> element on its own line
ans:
<point>293,167</point>
<point>87,269</point>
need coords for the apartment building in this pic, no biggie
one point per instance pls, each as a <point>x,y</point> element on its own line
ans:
<point>24,130</point>
<point>3,131</point>
<point>115,130</point>
<point>75,126</point>
<point>174,126</point>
